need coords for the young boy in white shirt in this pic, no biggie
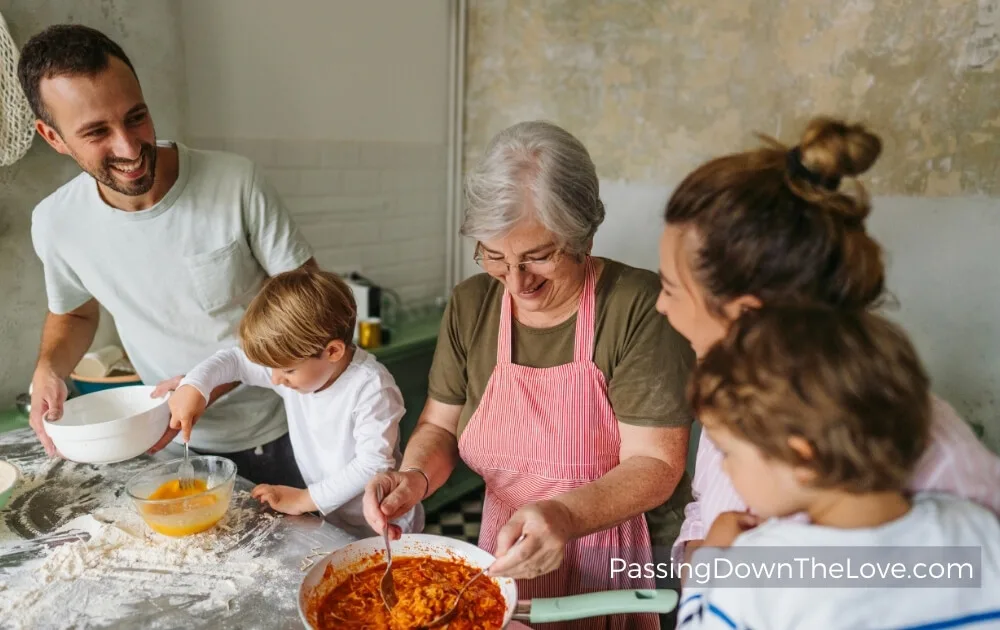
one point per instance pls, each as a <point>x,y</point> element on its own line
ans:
<point>343,406</point>
<point>826,413</point>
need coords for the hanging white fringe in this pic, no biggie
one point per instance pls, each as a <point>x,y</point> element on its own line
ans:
<point>17,122</point>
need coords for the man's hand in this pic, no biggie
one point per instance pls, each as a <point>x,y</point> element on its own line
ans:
<point>165,387</point>
<point>48,393</point>
<point>285,499</point>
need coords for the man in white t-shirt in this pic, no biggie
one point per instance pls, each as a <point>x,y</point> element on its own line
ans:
<point>173,242</point>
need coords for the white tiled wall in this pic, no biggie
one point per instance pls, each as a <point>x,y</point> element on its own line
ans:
<point>369,206</point>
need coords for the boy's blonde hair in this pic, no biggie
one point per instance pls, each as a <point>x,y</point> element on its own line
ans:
<point>847,382</point>
<point>295,315</point>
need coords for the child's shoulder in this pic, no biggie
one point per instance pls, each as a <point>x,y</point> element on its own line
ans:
<point>774,532</point>
<point>369,372</point>
<point>956,517</point>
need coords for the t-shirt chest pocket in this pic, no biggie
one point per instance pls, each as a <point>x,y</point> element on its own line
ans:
<point>221,277</point>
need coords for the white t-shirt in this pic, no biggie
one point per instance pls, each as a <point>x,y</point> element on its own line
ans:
<point>342,436</point>
<point>935,520</point>
<point>178,276</point>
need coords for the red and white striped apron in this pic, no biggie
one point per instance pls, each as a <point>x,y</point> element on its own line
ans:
<point>540,432</point>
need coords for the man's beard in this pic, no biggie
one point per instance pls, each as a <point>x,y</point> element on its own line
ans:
<point>132,188</point>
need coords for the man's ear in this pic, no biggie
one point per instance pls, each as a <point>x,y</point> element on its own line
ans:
<point>51,135</point>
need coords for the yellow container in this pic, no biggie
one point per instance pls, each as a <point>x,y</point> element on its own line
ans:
<point>370,333</point>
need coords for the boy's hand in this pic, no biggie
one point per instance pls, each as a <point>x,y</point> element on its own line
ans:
<point>186,406</point>
<point>728,526</point>
<point>285,499</point>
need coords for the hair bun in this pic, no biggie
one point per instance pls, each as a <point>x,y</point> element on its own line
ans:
<point>834,149</point>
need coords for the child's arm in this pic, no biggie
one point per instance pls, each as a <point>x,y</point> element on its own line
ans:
<point>713,495</point>
<point>195,389</point>
<point>226,366</point>
<point>376,434</point>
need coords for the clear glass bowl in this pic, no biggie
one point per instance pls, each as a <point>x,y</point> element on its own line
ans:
<point>157,497</point>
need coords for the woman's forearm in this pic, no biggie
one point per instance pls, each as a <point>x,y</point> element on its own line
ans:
<point>634,487</point>
<point>434,451</point>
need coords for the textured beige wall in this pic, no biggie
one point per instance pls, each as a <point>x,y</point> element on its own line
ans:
<point>655,87</point>
<point>354,70</point>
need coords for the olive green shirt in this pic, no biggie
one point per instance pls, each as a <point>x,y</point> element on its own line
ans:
<point>645,362</point>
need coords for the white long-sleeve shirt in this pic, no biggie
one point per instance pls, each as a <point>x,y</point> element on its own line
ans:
<point>938,523</point>
<point>342,436</point>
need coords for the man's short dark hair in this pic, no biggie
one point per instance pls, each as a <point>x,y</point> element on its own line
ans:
<point>64,49</point>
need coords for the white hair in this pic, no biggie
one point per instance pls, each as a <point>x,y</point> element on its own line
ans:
<point>542,160</point>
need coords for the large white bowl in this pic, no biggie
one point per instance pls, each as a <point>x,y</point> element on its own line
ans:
<point>336,566</point>
<point>110,426</point>
<point>360,554</point>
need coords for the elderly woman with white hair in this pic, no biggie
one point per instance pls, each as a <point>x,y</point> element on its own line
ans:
<point>555,379</point>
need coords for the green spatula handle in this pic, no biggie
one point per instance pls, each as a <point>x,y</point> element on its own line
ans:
<point>596,605</point>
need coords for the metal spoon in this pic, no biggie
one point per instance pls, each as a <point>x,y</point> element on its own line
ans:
<point>451,612</point>
<point>387,587</point>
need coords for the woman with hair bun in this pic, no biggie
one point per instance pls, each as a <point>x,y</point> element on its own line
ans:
<point>777,226</point>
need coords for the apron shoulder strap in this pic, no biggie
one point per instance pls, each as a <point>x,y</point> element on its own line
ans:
<point>583,345</point>
<point>504,338</point>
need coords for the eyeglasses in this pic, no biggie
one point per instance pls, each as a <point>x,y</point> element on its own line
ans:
<point>499,266</point>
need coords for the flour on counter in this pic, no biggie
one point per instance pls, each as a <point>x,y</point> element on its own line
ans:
<point>118,568</point>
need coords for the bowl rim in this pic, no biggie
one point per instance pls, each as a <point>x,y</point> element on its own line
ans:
<point>108,426</point>
<point>446,545</point>
<point>17,475</point>
<point>229,479</point>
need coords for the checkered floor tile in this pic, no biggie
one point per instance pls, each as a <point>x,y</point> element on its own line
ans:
<point>458,520</point>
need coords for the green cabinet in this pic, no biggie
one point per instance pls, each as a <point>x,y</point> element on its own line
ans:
<point>408,357</point>
<point>11,419</point>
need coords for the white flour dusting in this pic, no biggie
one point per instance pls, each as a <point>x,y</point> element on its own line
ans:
<point>118,568</point>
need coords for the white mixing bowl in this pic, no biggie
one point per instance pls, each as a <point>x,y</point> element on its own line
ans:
<point>110,425</point>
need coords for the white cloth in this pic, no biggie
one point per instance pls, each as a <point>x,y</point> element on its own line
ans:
<point>935,520</point>
<point>178,276</point>
<point>342,436</point>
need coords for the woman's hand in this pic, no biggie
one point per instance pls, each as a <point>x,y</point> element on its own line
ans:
<point>728,526</point>
<point>547,526</point>
<point>400,491</point>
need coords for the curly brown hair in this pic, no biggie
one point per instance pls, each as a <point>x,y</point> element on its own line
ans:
<point>848,382</point>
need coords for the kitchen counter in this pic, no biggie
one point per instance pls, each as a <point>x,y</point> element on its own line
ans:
<point>109,570</point>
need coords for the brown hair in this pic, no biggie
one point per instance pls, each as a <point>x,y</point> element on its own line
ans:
<point>64,49</point>
<point>772,222</point>
<point>295,315</point>
<point>847,382</point>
